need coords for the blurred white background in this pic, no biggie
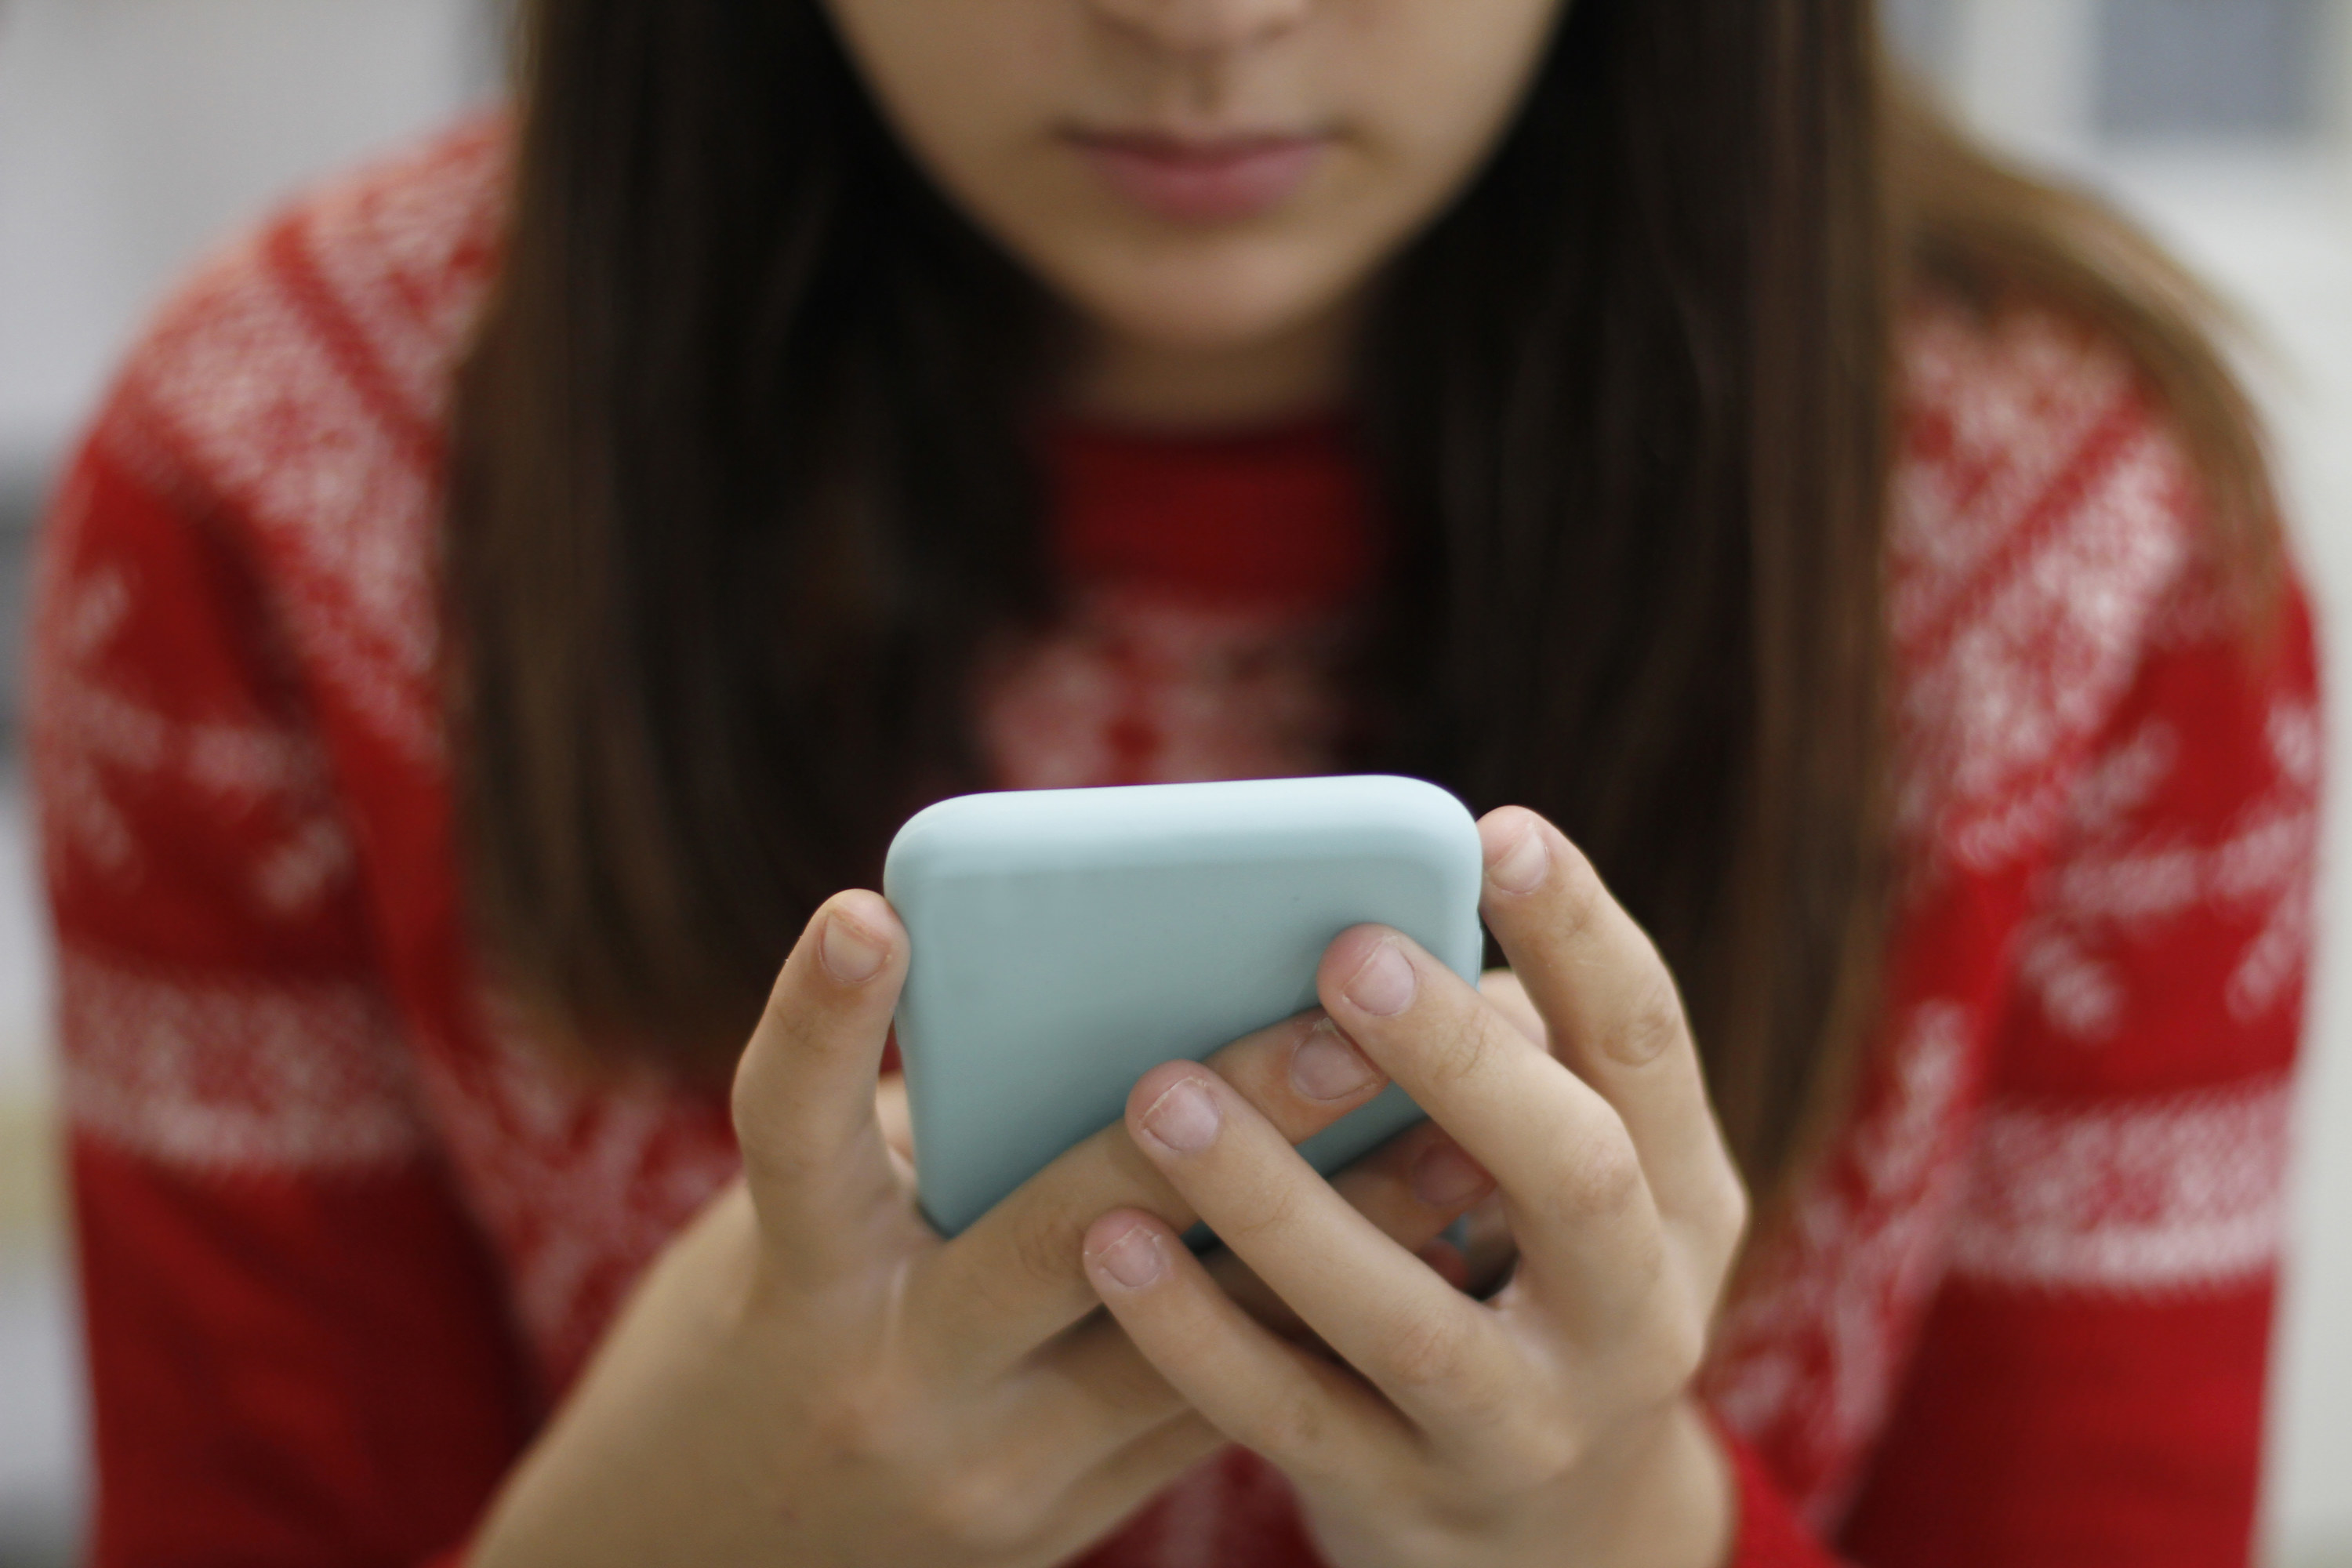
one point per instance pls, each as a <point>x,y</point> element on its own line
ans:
<point>134,132</point>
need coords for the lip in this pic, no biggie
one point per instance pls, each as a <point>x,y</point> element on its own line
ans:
<point>1202,179</point>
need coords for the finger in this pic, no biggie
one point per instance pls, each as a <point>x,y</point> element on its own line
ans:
<point>1164,1453</point>
<point>1502,989</point>
<point>1411,1189</point>
<point>1612,1013</point>
<point>1570,1177</point>
<point>1050,1460</point>
<point>1307,1415</point>
<point>1089,1394</point>
<point>1445,1359</point>
<point>1114,1491</point>
<point>890,1113</point>
<point>1445,1261</point>
<point>814,1154</point>
<point>1088,1404</point>
<point>1015,1279</point>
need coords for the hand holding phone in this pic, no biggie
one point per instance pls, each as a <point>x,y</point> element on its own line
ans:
<point>808,1372</point>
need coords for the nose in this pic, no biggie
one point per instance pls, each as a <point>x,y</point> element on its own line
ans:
<point>1204,27</point>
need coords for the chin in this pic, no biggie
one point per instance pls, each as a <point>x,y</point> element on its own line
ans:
<point>1229,299</point>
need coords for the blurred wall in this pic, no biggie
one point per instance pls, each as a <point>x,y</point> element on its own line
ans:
<point>132,134</point>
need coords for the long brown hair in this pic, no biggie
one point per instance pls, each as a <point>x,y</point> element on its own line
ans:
<point>742,478</point>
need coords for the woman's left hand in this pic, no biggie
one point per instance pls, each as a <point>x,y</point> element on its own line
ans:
<point>1553,1424</point>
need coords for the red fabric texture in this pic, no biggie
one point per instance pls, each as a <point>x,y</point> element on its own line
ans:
<point>348,1230</point>
<point>1769,1534</point>
<point>1278,517</point>
<point>2040,1430</point>
<point>269,1393</point>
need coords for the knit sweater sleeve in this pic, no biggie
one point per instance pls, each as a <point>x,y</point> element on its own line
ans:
<point>2088,1385</point>
<point>297,1349</point>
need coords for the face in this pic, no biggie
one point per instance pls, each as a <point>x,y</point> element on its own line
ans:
<point>1199,175</point>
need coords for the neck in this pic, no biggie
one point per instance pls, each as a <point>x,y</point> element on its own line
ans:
<point>1124,381</point>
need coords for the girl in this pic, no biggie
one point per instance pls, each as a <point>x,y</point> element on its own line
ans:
<point>502,603</point>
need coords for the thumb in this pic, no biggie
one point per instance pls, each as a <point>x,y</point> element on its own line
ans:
<point>814,1154</point>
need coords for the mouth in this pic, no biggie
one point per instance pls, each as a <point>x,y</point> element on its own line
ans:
<point>1202,179</point>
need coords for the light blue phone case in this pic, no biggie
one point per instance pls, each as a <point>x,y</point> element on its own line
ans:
<point>1066,941</point>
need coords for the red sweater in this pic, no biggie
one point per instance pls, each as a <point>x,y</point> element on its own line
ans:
<point>346,1233</point>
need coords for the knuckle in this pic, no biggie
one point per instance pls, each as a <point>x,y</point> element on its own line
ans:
<point>983,1508</point>
<point>765,1082</point>
<point>1536,1449</point>
<point>1681,1348</point>
<point>868,1424</point>
<point>1269,1211</point>
<point>783,1013</point>
<point>1654,1023</point>
<point>1724,1214</point>
<point>787,1019</point>
<point>1291,1425</point>
<point>774,1165</point>
<point>1422,1349</point>
<point>1583,899</point>
<point>1454,1051</point>
<point>1662,1353</point>
<point>1605,1181</point>
<point>748,1114</point>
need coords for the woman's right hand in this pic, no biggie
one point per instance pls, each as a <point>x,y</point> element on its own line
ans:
<point>810,1375</point>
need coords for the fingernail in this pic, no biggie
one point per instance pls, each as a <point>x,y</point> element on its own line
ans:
<point>1521,866</point>
<point>1445,1176</point>
<point>851,952</point>
<point>1183,1118</point>
<point>1383,985</point>
<point>1326,1067</point>
<point>1134,1259</point>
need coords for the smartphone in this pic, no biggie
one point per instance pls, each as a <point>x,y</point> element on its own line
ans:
<point>1066,941</point>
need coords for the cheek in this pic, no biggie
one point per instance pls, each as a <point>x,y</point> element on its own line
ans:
<point>1450,76</point>
<point>976,92</point>
<point>969,86</point>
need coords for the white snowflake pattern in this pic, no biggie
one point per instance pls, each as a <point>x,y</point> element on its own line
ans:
<point>229,1074</point>
<point>95,736</point>
<point>1810,1345</point>
<point>581,1175</point>
<point>2176,1194</point>
<point>1140,686</point>
<point>2118,880</point>
<point>241,380</point>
